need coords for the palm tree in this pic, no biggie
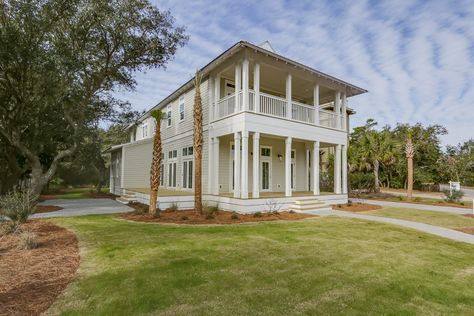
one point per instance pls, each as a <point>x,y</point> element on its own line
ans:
<point>197,143</point>
<point>376,149</point>
<point>156,162</point>
<point>409,152</point>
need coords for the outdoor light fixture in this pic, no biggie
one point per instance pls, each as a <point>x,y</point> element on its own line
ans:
<point>280,157</point>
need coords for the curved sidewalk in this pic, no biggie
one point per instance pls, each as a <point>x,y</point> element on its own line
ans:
<point>423,207</point>
<point>430,229</point>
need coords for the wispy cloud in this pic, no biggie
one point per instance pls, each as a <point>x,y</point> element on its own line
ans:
<point>416,58</point>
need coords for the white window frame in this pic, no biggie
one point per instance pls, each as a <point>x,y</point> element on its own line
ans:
<point>169,115</point>
<point>145,130</point>
<point>268,159</point>
<point>293,163</point>
<point>188,159</point>
<point>182,108</point>
<point>172,172</point>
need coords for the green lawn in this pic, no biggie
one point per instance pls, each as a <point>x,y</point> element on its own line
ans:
<point>74,193</point>
<point>316,266</point>
<point>434,218</point>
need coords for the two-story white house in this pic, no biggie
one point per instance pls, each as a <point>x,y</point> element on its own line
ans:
<point>275,131</point>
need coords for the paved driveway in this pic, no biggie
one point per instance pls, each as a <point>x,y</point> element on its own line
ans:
<point>80,207</point>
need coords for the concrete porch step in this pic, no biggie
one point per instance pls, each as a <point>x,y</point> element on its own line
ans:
<point>309,203</point>
<point>127,198</point>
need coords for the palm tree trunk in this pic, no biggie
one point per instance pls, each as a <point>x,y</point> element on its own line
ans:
<point>410,179</point>
<point>376,177</point>
<point>155,164</point>
<point>197,144</point>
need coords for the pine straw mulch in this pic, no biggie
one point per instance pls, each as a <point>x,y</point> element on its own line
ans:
<point>30,280</point>
<point>467,230</point>
<point>219,217</point>
<point>47,208</point>
<point>357,207</point>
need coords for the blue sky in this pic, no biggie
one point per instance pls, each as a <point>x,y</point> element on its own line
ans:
<point>416,58</point>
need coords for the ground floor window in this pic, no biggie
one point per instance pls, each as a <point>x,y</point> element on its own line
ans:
<point>187,174</point>
<point>172,174</point>
<point>162,174</point>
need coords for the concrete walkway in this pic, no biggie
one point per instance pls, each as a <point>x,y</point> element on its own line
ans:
<point>424,207</point>
<point>79,207</point>
<point>430,229</point>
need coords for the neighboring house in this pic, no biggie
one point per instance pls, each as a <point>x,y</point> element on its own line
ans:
<point>271,128</point>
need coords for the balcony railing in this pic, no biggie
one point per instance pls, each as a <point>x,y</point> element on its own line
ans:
<point>278,107</point>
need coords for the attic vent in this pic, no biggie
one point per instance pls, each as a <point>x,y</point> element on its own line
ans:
<point>266,45</point>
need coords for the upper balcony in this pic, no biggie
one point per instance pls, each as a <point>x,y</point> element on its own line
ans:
<point>260,86</point>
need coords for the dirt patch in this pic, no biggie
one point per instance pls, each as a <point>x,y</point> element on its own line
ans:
<point>467,230</point>
<point>469,215</point>
<point>30,280</point>
<point>218,217</point>
<point>47,208</point>
<point>357,207</point>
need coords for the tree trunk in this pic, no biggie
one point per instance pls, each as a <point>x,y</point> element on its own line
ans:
<point>410,179</point>
<point>376,177</point>
<point>197,144</point>
<point>155,174</point>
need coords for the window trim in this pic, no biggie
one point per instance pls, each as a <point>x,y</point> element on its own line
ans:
<point>183,112</point>
<point>145,129</point>
<point>169,116</point>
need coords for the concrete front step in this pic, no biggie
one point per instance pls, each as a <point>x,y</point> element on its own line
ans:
<point>126,198</point>
<point>309,203</point>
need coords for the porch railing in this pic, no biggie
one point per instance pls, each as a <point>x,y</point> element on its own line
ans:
<point>276,106</point>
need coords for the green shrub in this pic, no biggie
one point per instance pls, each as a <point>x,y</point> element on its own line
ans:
<point>234,215</point>
<point>28,240</point>
<point>18,206</point>
<point>417,199</point>
<point>173,207</point>
<point>453,197</point>
<point>257,214</point>
<point>184,217</point>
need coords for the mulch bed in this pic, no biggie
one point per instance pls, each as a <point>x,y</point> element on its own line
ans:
<point>390,198</point>
<point>357,207</point>
<point>219,217</point>
<point>30,280</point>
<point>469,215</point>
<point>467,230</point>
<point>47,208</point>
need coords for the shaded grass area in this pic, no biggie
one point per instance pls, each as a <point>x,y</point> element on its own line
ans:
<point>447,220</point>
<point>75,193</point>
<point>314,266</point>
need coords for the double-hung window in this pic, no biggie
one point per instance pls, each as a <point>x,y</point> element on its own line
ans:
<point>172,160</point>
<point>188,167</point>
<point>162,170</point>
<point>181,108</point>
<point>144,130</point>
<point>168,115</point>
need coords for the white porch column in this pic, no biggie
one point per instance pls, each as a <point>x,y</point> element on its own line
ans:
<point>245,85</point>
<point>238,78</point>
<point>337,108</point>
<point>215,167</point>
<point>237,165</point>
<point>256,166</point>
<point>217,95</point>
<point>316,103</point>
<point>337,170</point>
<point>344,169</point>
<point>245,165</point>
<point>288,166</point>
<point>288,97</point>
<point>315,155</point>
<point>344,112</point>
<point>212,104</point>
<point>210,169</point>
<point>256,86</point>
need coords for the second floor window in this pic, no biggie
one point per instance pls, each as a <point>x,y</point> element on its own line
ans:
<point>145,130</point>
<point>181,108</point>
<point>168,115</point>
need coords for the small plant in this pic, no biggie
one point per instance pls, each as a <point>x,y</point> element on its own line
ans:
<point>453,197</point>
<point>28,240</point>
<point>272,206</point>
<point>257,214</point>
<point>157,214</point>
<point>18,206</point>
<point>7,228</point>
<point>291,212</point>
<point>173,207</point>
<point>349,203</point>
<point>234,215</point>
<point>210,216</point>
<point>400,198</point>
<point>184,217</point>
<point>417,199</point>
<point>210,211</point>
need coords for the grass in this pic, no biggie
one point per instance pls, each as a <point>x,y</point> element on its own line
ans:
<point>447,220</point>
<point>317,266</point>
<point>73,193</point>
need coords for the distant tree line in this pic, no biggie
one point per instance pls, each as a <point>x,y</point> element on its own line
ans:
<point>377,158</point>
